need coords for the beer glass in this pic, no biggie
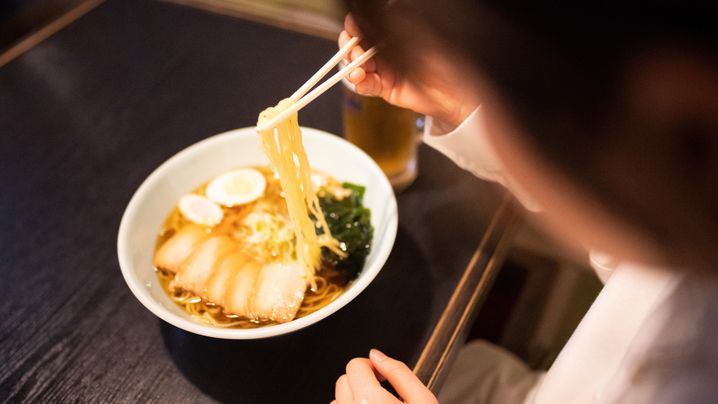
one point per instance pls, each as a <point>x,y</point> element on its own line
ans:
<point>387,133</point>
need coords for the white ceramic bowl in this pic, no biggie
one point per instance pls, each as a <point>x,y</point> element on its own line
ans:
<point>201,162</point>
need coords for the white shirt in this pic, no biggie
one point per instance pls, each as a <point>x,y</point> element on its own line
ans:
<point>470,148</point>
<point>592,365</point>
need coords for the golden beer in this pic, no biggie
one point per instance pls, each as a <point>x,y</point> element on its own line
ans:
<point>387,133</point>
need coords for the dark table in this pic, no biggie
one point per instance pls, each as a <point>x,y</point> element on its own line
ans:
<point>85,116</point>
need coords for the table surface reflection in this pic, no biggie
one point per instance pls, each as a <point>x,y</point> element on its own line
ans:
<point>85,116</point>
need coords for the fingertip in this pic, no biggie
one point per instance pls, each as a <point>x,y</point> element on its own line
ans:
<point>356,362</point>
<point>356,76</point>
<point>384,363</point>
<point>400,376</point>
<point>377,355</point>
<point>380,362</point>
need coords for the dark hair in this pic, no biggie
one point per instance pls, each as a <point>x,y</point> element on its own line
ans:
<point>558,67</point>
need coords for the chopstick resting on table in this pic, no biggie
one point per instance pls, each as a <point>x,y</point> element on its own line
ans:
<point>300,102</point>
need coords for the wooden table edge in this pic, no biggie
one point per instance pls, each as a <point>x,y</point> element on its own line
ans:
<point>35,37</point>
<point>469,295</point>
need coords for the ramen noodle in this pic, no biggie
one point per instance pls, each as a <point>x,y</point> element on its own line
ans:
<point>286,153</point>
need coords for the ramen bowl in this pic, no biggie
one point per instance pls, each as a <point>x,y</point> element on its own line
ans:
<point>189,169</point>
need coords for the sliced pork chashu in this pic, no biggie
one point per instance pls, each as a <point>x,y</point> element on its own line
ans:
<point>199,266</point>
<point>179,247</point>
<point>278,292</point>
<point>239,290</point>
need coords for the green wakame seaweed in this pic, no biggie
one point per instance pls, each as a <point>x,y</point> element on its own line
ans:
<point>350,223</point>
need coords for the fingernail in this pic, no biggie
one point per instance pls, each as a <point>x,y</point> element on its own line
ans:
<point>377,355</point>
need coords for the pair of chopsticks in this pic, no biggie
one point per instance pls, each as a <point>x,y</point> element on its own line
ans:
<point>297,97</point>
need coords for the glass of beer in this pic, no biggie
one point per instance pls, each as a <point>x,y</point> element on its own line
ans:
<point>387,133</point>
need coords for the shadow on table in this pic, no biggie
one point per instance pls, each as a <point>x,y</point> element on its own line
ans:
<point>302,367</point>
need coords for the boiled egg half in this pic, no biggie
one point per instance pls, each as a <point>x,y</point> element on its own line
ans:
<point>236,187</point>
<point>200,210</point>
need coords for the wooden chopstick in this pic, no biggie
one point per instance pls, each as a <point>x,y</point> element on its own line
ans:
<point>319,90</point>
<point>325,69</point>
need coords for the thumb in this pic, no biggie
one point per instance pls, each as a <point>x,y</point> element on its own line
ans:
<point>404,381</point>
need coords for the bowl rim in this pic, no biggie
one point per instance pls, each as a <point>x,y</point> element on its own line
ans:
<point>380,252</point>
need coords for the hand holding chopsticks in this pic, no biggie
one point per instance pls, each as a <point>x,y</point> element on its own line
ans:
<point>300,102</point>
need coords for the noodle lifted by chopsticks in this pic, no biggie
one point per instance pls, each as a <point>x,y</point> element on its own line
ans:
<point>286,154</point>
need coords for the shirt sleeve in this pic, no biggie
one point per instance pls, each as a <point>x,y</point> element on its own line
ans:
<point>488,374</point>
<point>467,145</point>
<point>470,148</point>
